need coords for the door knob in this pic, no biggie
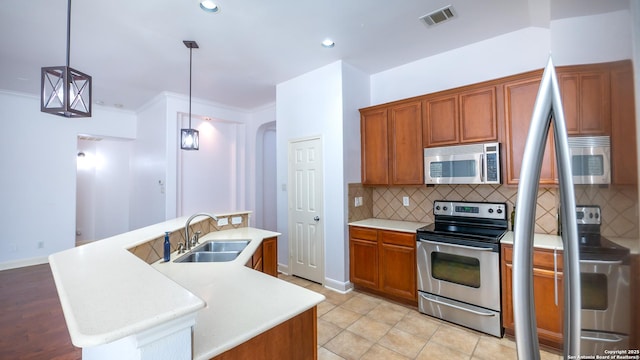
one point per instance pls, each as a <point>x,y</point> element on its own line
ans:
<point>317,218</point>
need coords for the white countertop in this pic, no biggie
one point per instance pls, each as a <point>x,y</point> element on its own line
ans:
<point>241,302</point>
<point>108,293</point>
<point>393,225</point>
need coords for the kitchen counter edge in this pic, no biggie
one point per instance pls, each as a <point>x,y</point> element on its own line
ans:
<point>392,225</point>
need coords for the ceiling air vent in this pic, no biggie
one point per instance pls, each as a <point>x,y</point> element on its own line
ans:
<point>439,16</point>
<point>89,138</point>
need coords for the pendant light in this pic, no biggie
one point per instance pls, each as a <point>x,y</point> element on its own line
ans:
<point>65,91</point>
<point>190,138</point>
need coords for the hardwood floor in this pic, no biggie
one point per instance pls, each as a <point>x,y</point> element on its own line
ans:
<point>32,325</point>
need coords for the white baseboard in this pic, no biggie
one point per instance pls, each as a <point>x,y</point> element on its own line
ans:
<point>339,286</point>
<point>284,269</point>
<point>23,262</point>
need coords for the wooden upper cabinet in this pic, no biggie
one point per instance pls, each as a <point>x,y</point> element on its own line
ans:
<point>460,117</point>
<point>405,140</point>
<point>374,139</point>
<point>624,165</point>
<point>440,124</point>
<point>478,120</point>
<point>391,140</point>
<point>585,99</point>
<point>519,99</point>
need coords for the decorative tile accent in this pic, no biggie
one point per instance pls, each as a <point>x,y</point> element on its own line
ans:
<point>619,204</point>
<point>361,212</point>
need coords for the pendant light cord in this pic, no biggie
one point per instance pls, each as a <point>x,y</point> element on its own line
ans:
<point>190,65</point>
<point>68,31</point>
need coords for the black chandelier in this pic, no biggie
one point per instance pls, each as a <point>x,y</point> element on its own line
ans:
<point>65,91</point>
<point>190,138</point>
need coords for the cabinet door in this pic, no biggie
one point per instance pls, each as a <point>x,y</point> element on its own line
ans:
<point>624,167</point>
<point>478,120</point>
<point>270,256</point>
<point>519,100</point>
<point>363,257</point>
<point>585,100</point>
<point>440,123</point>
<point>546,281</point>
<point>405,140</point>
<point>375,147</point>
<point>398,271</point>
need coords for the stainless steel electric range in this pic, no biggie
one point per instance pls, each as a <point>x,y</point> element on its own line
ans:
<point>458,259</point>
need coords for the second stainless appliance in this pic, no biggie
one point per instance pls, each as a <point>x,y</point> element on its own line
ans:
<point>590,159</point>
<point>458,260</point>
<point>462,164</point>
<point>605,289</point>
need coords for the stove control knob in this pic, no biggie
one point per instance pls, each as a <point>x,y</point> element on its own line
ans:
<point>444,208</point>
<point>491,211</point>
<point>597,215</point>
<point>438,207</point>
<point>590,215</point>
<point>499,211</point>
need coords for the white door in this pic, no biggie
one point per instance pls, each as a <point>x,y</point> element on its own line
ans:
<point>306,239</point>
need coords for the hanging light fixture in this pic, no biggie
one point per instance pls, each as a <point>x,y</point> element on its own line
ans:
<point>190,138</point>
<point>65,91</point>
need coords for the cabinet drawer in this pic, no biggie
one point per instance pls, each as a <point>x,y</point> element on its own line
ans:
<point>398,238</point>
<point>363,233</point>
<point>542,258</point>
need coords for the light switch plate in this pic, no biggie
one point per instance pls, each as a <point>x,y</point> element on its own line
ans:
<point>405,200</point>
<point>358,201</point>
<point>223,221</point>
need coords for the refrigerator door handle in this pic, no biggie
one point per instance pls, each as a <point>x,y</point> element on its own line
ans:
<point>547,109</point>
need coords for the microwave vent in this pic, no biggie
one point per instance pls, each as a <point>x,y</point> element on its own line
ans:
<point>439,16</point>
<point>589,141</point>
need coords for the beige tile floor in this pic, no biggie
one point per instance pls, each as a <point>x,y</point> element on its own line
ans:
<point>357,325</point>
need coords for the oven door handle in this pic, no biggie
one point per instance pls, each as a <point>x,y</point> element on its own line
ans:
<point>610,338</point>
<point>456,245</point>
<point>605,262</point>
<point>488,313</point>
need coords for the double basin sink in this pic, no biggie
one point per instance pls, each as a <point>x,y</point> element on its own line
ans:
<point>214,251</point>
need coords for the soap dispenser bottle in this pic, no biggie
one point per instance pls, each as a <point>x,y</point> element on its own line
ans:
<point>167,247</point>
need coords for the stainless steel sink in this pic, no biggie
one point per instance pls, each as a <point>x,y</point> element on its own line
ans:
<point>222,245</point>
<point>215,251</point>
<point>208,256</point>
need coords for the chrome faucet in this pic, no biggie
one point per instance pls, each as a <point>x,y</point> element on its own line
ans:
<point>186,228</point>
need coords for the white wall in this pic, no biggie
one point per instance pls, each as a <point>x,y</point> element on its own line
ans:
<point>591,39</point>
<point>261,167</point>
<point>112,187</point>
<point>38,165</point>
<point>306,106</point>
<point>504,55</point>
<point>582,40</point>
<point>323,102</point>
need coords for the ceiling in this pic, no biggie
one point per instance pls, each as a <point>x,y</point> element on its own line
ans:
<point>133,49</point>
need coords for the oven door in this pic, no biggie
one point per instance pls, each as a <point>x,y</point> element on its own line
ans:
<point>464,273</point>
<point>605,296</point>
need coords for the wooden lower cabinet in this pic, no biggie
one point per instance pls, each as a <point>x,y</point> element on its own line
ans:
<point>384,262</point>
<point>294,339</point>
<point>546,281</point>
<point>265,258</point>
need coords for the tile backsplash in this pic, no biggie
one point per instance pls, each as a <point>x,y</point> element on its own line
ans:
<point>152,250</point>
<point>619,204</point>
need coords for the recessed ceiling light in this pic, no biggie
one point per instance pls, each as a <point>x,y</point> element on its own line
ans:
<point>328,43</point>
<point>209,6</point>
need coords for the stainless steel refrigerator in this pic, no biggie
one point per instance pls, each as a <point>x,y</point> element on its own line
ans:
<point>547,110</point>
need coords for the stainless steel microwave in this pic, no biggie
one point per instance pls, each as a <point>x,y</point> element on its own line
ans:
<point>590,159</point>
<point>463,164</point>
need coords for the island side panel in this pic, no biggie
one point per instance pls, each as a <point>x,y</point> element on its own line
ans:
<point>294,339</point>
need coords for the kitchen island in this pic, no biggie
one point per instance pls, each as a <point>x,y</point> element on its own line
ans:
<point>111,299</point>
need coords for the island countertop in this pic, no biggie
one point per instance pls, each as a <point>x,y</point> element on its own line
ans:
<point>107,293</point>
